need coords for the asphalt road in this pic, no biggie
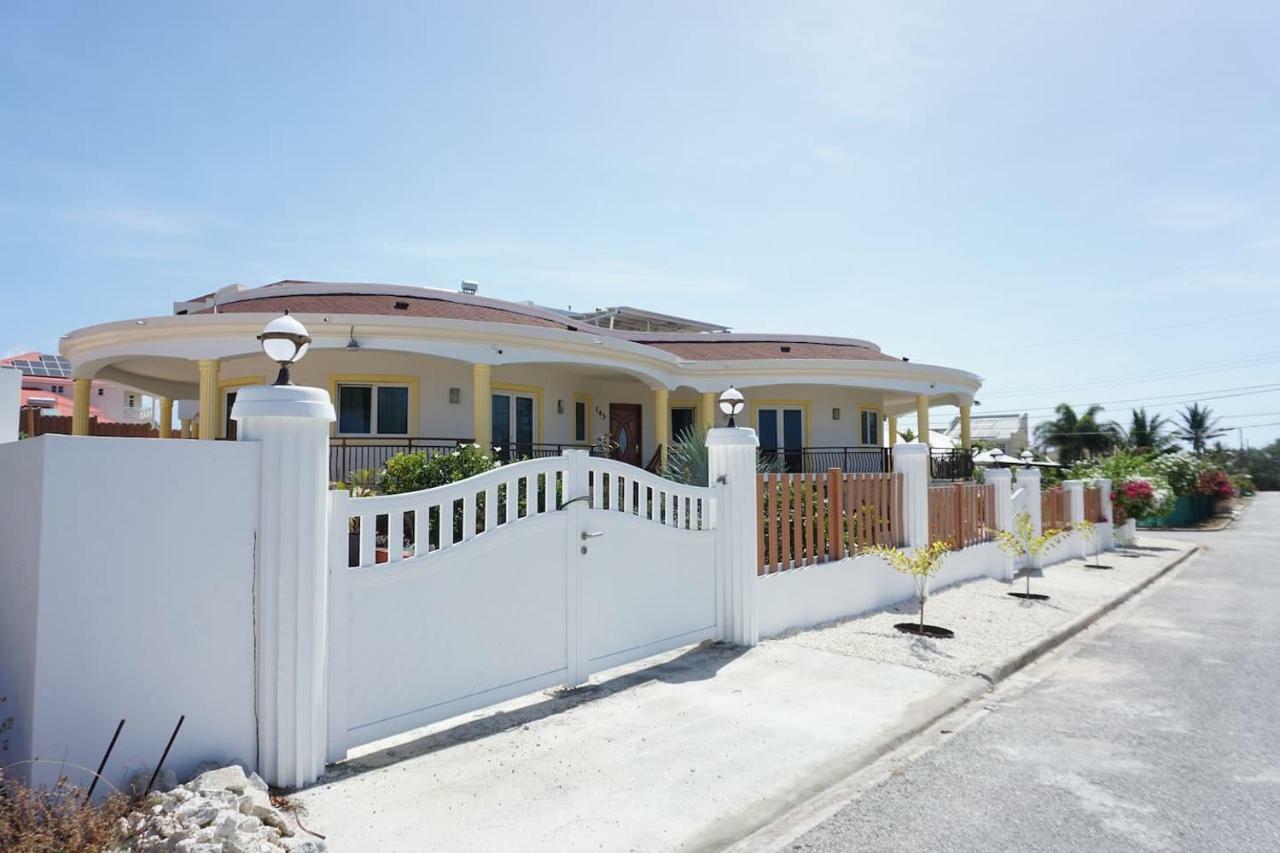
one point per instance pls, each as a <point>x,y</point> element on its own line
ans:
<point>1157,730</point>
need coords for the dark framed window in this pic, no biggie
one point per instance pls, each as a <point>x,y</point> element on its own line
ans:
<point>373,410</point>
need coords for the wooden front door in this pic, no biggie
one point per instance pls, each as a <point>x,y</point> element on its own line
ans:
<point>624,429</point>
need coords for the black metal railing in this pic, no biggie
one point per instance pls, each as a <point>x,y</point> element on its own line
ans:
<point>950,464</point>
<point>357,454</point>
<point>816,460</point>
<point>348,454</point>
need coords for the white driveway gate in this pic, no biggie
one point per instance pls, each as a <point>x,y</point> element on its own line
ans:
<point>533,575</point>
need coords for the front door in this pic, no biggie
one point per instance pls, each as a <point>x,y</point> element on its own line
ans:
<point>624,430</point>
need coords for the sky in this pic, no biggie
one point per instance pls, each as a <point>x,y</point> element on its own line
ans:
<point>1077,201</point>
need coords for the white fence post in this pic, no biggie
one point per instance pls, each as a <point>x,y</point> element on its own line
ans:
<point>912,462</point>
<point>1108,540</point>
<point>731,468</point>
<point>1075,512</point>
<point>1029,482</point>
<point>1001,482</point>
<point>292,426</point>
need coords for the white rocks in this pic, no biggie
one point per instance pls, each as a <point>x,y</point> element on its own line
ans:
<point>222,810</point>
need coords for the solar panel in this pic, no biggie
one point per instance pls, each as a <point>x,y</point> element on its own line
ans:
<point>47,365</point>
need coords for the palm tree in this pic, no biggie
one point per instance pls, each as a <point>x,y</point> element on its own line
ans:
<point>1147,432</point>
<point>907,435</point>
<point>1076,436</point>
<point>1199,427</point>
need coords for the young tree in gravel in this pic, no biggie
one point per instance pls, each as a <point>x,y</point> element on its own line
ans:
<point>1022,541</point>
<point>1089,531</point>
<point>921,564</point>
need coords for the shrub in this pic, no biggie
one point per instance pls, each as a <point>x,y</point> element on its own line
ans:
<point>412,472</point>
<point>1141,497</point>
<point>1180,470</point>
<point>44,820</point>
<point>1215,483</point>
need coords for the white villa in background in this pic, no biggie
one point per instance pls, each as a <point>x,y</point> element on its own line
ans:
<point>427,368</point>
<point>1009,432</point>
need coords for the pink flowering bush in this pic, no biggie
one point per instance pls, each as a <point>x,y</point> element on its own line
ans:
<point>1139,498</point>
<point>1215,483</point>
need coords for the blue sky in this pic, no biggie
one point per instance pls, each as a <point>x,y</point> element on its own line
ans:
<point>1076,200</point>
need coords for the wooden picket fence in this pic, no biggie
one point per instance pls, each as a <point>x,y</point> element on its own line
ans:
<point>1055,511</point>
<point>962,514</point>
<point>806,519</point>
<point>1093,504</point>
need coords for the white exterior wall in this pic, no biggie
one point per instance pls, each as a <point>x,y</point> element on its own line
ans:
<point>821,430</point>
<point>10,403</point>
<point>144,634</point>
<point>812,595</point>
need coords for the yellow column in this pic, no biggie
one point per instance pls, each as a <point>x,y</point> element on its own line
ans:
<point>922,415</point>
<point>964,427</point>
<point>166,417</point>
<point>707,410</point>
<point>80,406</point>
<point>209,408</point>
<point>893,430</point>
<point>482,404</point>
<point>186,428</point>
<point>662,421</point>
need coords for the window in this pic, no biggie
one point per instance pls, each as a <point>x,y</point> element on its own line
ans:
<point>580,420</point>
<point>131,400</point>
<point>869,427</point>
<point>681,422</point>
<point>513,421</point>
<point>788,425</point>
<point>99,392</point>
<point>373,410</point>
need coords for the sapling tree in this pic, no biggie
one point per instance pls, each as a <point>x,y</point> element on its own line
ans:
<point>1089,531</point>
<point>920,563</point>
<point>1022,541</point>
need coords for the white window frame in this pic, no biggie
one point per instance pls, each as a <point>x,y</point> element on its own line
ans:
<point>373,409</point>
<point>878,419</point>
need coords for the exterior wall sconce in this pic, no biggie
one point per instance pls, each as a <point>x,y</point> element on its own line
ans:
<point>835,413</point>
<point>732,403</point>
<point>559,407</point>
<point>285,341</point>
<point>455,396</point>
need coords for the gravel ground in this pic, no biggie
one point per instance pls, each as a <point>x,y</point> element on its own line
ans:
<point>989,624</point>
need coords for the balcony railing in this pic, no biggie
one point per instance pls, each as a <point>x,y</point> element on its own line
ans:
<point>349,453</point>
<point>950,464</point>
<point>816,460</point>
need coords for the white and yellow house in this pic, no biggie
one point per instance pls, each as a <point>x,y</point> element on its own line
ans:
<point>427,368</point>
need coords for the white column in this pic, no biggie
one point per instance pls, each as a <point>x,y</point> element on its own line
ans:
<point>1001,481</point>
<point>1107,537</point>
<point>731,469</point>
<point>292,426</point>
<point>1029,482</point>
<point>10,404</point>
<point>1075,512</point>
<point>912,462</point>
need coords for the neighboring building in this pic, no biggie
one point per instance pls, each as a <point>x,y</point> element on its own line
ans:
<point>422,367</point>
<point>47,386</point>
<point>1007,432</point>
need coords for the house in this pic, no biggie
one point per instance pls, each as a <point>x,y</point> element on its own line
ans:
<point>413,367</point>
<point>47,389</point>
<point>1007,432</point>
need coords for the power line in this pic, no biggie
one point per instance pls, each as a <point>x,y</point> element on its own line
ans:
<point>1115,334</point>
<point>1178,373</point>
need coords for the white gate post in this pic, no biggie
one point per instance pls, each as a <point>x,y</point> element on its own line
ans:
<point>292,426</point>
<point>1001,481</point>
<point>1075,512</point>
<point>912,462</point>
<point>1103,484</point>
<point>731,469</point>
<point>575,491</point>
<point>1029,482</point>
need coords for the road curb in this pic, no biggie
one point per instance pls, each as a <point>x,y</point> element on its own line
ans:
<point>999,671</point>
<point>826,791</point>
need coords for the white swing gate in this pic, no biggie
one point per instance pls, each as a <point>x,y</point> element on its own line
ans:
<point>541,573</point>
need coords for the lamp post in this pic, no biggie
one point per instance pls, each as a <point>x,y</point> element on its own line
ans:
<point>285,341</point>
<point>732,403</point>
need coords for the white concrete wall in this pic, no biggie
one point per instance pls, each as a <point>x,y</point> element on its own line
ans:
<point>145,634</point>
<point>809,596</point>
<point>10,403</point>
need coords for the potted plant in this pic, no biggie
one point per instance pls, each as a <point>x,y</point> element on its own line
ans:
<point>921,564</point>
<point>362,483</point>
<point>1022,541</point>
